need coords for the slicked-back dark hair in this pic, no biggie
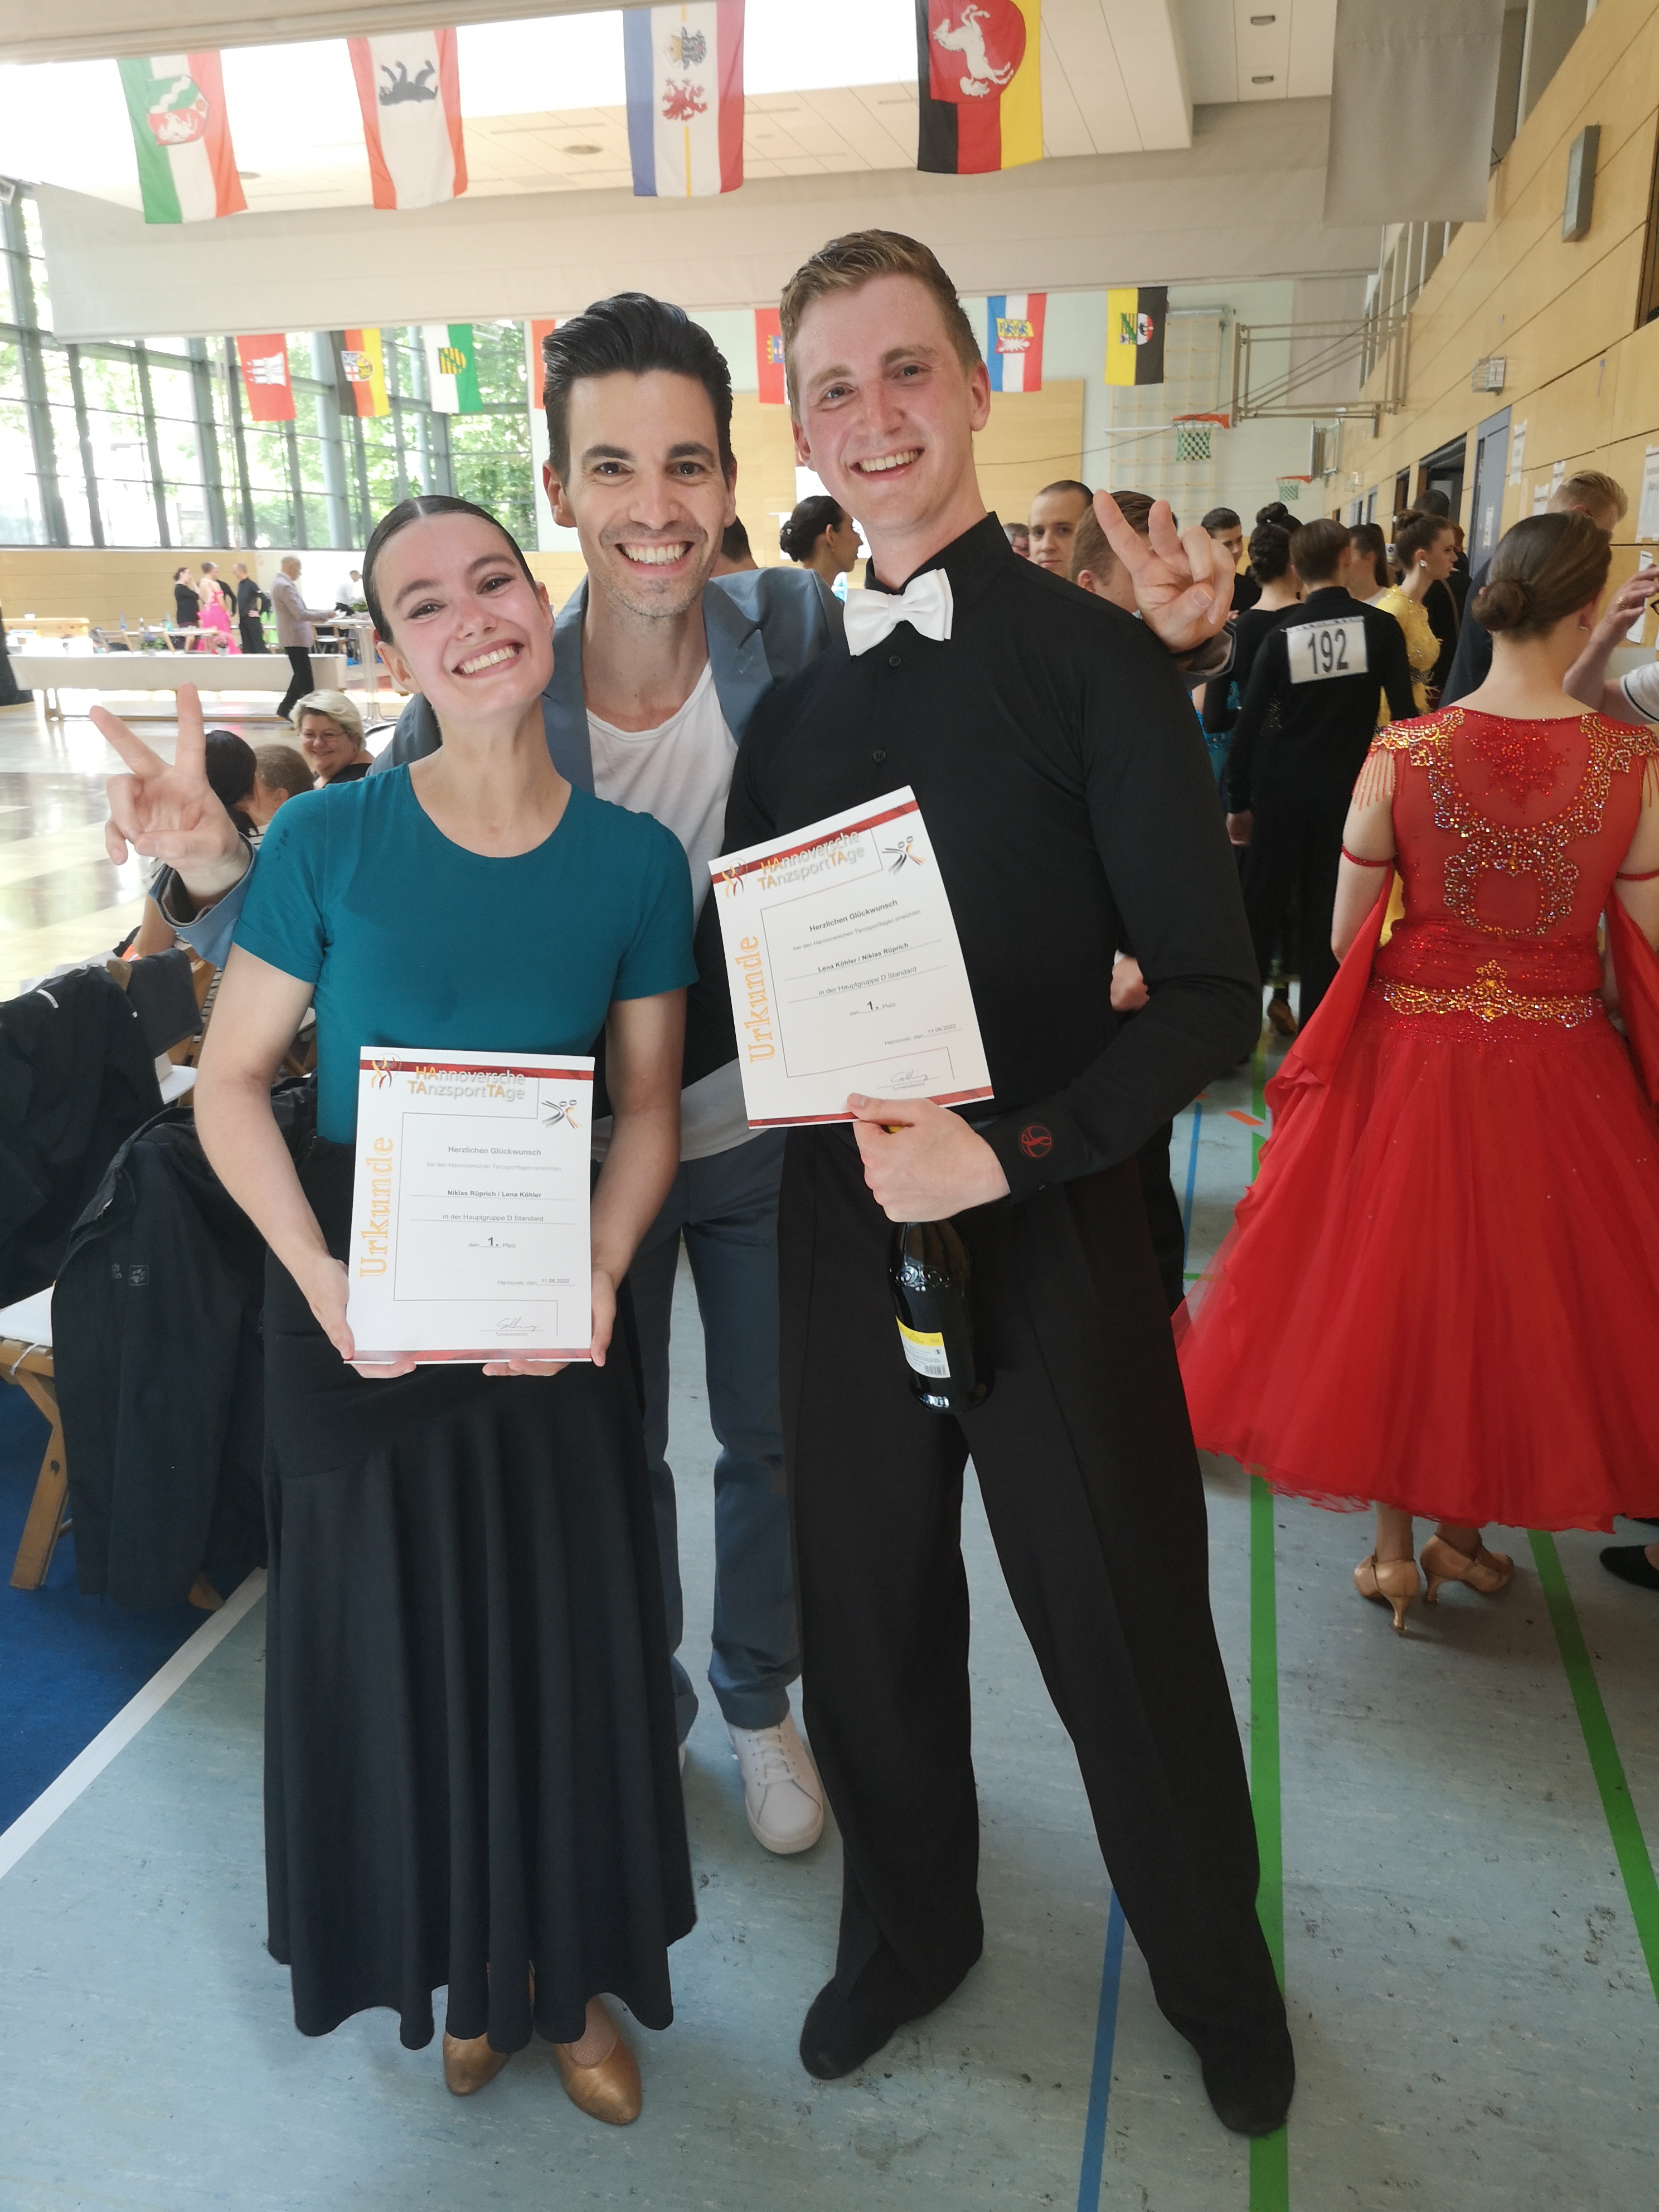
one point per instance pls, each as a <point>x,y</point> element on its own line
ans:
<point>631,334</point>
<point>417,510</point>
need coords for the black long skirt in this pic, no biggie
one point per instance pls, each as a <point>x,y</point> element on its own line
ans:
<point>471,1770</point>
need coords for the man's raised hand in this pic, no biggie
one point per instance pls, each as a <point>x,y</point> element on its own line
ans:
<point>1184,581</point>
<point>171,813</point>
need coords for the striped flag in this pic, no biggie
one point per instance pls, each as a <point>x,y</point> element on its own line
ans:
<point>980,85</point>
<point>265,378</point>
<point>364,363</point>
<point>1014,340</point>
<point>186,163</point>
<point>452,370</point>
<point>1135,317</point>
<point>408,87</point>
<point>538,331</point>
<point>768,358</point>
<point>685,67</point>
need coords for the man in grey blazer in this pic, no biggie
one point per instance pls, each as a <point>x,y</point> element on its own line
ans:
<point>657,670</point>
<point>294,634</point>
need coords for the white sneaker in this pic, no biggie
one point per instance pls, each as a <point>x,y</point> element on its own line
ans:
<point>781,1793</point>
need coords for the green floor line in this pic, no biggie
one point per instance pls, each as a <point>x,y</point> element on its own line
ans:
<point>1270,2180</point>
<point>1630,1846</point>
<point>1270,2155</point>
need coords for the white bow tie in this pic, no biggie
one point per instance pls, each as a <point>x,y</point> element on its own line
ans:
<point>925,603</point>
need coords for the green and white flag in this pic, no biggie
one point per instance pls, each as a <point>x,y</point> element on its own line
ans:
<point>186,163</point>
<point>452,369</point>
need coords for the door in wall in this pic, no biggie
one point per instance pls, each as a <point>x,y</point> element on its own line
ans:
<point>1491,451</point>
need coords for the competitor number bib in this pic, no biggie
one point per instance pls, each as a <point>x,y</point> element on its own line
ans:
<point>1318,650</point>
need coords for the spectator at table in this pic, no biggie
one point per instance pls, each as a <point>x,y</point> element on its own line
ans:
<point>279,773</point>
<point>332,737</point>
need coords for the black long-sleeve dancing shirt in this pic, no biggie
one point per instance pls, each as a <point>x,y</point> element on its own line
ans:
<point>1059,768</point>
<point>1309,708</point>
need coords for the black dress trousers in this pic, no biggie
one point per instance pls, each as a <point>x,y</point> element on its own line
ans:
<point>1090,1483</point>
<point>1289,866</point>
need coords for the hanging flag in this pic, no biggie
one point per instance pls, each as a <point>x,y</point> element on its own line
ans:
<point>980,85</point>
<point>685,67</point>
<point>365,367</point>
<point>768,358</point>
<point>1134,333</point>
<point>265,378</point>
<point>186,163</point>
<point>408,87</point>
<point>1014,340</point>
<point>452,370</point>
<point>538,332</point>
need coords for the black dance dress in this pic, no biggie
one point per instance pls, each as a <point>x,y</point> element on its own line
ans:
<point>471,1766</point>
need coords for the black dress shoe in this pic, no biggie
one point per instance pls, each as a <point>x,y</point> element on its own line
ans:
<point>1251,2094</point>
<point>1630,1564</point>
<point>837,2038</point>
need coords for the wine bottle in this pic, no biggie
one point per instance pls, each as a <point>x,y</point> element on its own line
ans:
<point>931,1281</point>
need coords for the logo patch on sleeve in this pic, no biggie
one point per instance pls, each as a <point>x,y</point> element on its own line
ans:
<point>1035,1141</point>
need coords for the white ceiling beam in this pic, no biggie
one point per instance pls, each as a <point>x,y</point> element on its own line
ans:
<point>87,30</point>
<point>1056,225</point>
<point>1146,39</point>
<point>1123,64</point>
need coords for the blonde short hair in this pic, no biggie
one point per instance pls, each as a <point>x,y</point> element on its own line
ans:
<point>1589,488</point>
<point>845,263</point>
<point>336,705</point>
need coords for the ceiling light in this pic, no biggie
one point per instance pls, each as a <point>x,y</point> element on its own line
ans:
<point>584,150</point>
<point>1262,80</point>
<point>253,176</point>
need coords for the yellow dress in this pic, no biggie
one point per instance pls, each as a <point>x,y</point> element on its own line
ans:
<point>1422,646</point>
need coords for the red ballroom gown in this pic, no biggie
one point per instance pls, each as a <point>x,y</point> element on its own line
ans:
<point>1441,1292</point>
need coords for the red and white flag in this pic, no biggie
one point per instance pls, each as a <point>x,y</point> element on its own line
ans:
<point>265,378</point>
<point>683,66</point>
<point>768,358</point>
<point>409,87</point>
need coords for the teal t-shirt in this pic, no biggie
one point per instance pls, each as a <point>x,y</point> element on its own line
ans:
<point>412,940</point>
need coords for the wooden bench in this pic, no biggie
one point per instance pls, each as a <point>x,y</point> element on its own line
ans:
<point>26,1360</point>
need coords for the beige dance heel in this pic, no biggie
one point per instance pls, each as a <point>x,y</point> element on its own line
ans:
<point>1487,1571</point>
<point>469,2065</point>
<point>610,2090</point>
<point>1389,1582</point>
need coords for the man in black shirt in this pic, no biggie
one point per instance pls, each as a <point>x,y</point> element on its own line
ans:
<point>251,605</point>
<point>1067,793</point>
<point>1305,725</point>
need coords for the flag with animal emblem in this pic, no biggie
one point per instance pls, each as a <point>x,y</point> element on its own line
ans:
<point>408,87</point>
<point>768,358</point>
<point>980,85</point>
<point>1134,333</point>
<point>266,379</point>
<point>364,363</point>
<point>1014,340</point>
<point>684,68</point>
<point>538,331</point>
<point>452,370</point>
<point>186,163</point>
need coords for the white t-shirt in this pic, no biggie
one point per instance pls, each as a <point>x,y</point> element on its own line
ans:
<point>681,772</point>
<point>1641,689</point>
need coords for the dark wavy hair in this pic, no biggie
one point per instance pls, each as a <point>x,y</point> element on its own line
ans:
<point>1269,552</point>
<point>631,334</point>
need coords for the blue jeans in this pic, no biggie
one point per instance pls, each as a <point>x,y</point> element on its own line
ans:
<point>726,1208</point>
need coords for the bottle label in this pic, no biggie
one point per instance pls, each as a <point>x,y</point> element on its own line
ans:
<point>925,1350</point>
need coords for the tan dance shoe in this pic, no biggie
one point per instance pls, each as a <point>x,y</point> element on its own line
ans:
<point>1389,1582</point>
<point>469,2065</point>
<point>1487,1571</point>
<point>610,2091</point>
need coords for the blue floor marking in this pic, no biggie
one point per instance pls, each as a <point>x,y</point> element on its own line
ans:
<point>1192,1182</point>
<point>1100,2080</point>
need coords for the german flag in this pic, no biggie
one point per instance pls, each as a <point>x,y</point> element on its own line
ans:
<point>979,83</point>
<point>1135,318</point>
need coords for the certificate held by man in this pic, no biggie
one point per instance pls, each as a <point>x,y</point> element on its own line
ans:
<point>470,1207</point>
<point>845,969</point>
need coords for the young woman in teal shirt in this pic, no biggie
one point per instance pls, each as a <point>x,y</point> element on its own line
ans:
<point>470,1769</point>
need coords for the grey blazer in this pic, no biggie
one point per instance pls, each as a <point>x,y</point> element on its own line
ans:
<point>764,627</point>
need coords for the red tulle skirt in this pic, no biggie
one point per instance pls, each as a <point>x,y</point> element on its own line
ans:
<point>1441,1292</point>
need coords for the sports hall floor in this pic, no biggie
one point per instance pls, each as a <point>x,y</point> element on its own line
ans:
<point>1453,1827</point>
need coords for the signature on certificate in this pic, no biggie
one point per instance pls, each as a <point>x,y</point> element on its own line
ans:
<point>514,1325</point>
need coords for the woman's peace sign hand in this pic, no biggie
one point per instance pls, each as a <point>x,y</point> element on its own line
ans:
<point>171,813</point>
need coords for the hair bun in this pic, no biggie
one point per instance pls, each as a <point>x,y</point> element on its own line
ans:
<point>1503,604</point>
